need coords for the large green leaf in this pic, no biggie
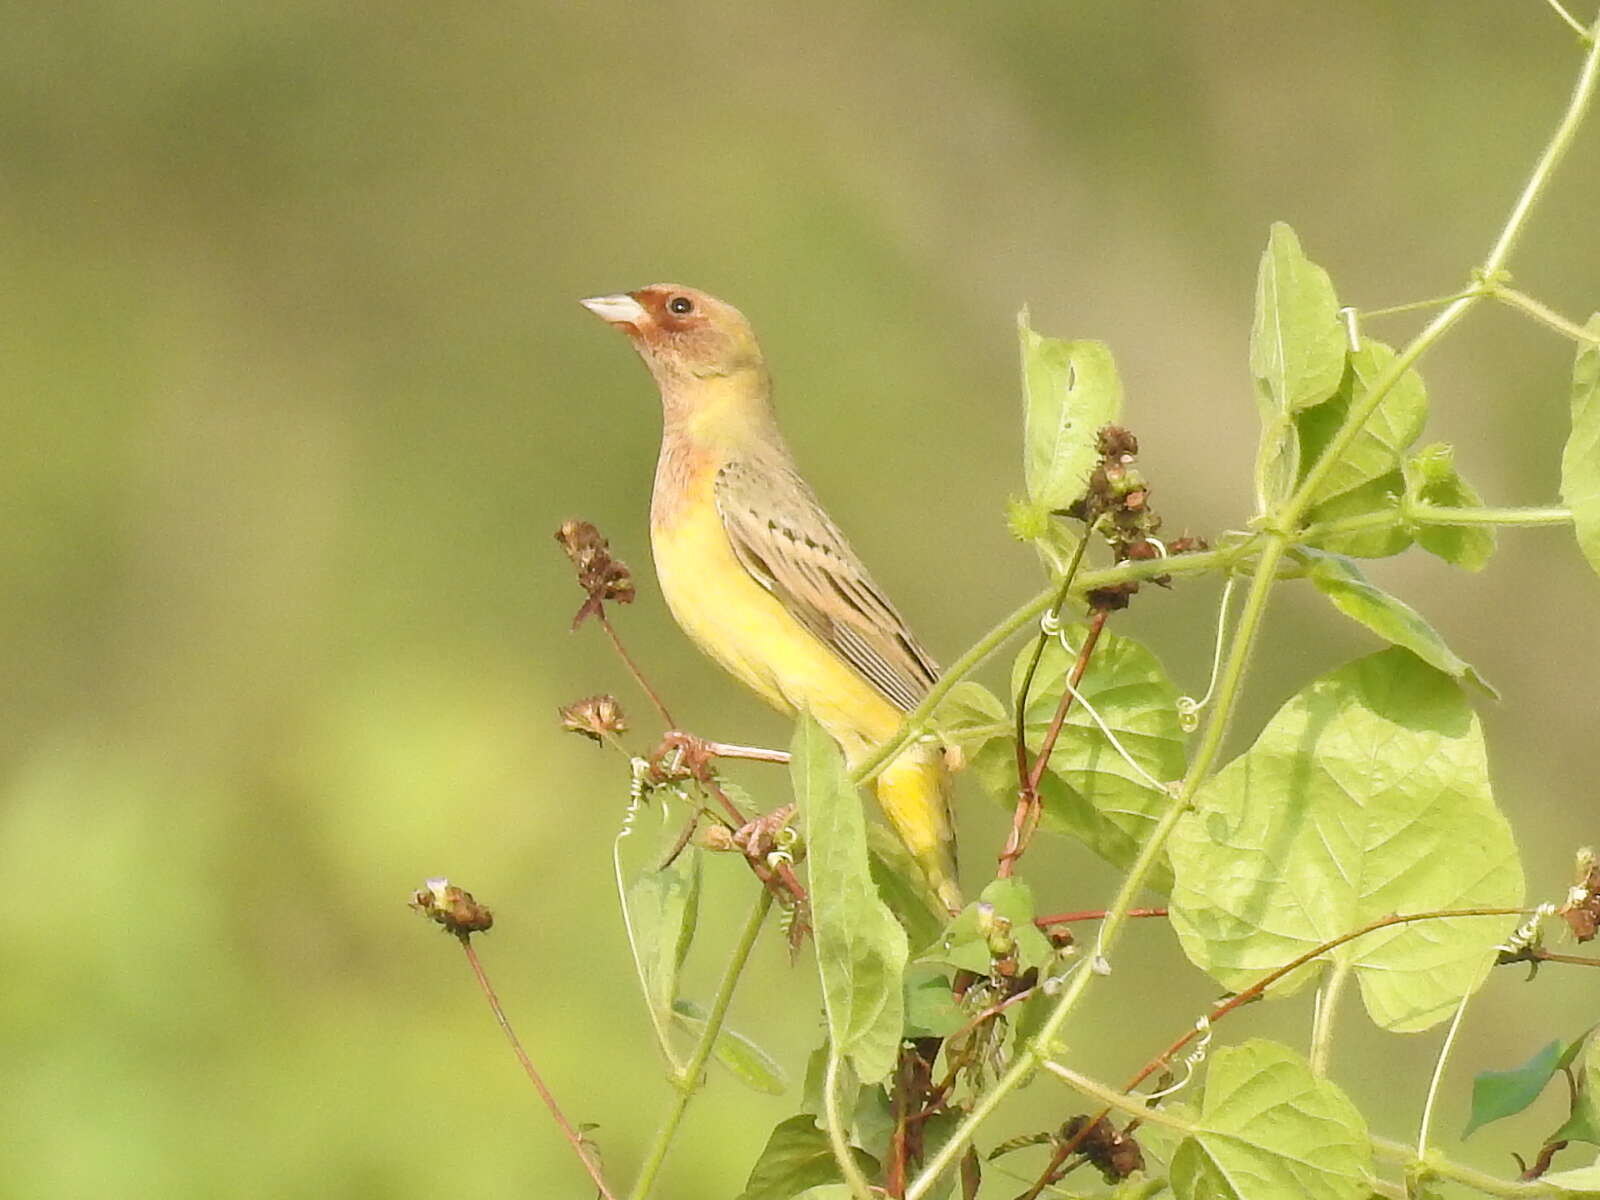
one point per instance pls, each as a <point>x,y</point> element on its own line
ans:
<point>1500,1094</point>
<point>1070,389</point>
<point>1089,790</point>
<point>663,905</point>
<point>1432,478</point>
<point>861,949</point>
<point>1580,461</point>
<point>1297,351</point>
<point>1269,1129</point>
<point>1366,795</point>
<point>1389,617</point>
<point>903,886</point>
<point>1368,477</point>
<point>797,1157</point>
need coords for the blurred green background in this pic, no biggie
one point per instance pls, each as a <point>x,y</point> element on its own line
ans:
<point>298,391</point>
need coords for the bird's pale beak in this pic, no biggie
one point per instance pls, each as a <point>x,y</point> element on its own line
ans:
<point>616,310</point>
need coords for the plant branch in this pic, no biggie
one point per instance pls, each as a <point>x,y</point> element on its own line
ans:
<point>1271,977</point>
<point>633,668</point>
<point>1555,150</point>
<point>579,1146</point>
<point>1092,914</point>
<point>1404,1156</point>
<point>916,720</point>
<point>1133,1106</point>
<point>1026,817</point>
<point>1034,1053</point>
<point>838,1140</point>
<point>1572,22</point>
<point>1543,313</point>
<point>687,1081</point>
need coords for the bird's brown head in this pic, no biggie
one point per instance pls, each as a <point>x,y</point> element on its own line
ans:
<point>682,333</point>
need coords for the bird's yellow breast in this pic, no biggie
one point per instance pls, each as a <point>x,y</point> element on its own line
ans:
<point>742,626</point>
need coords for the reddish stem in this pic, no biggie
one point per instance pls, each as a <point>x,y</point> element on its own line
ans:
<point>633,668</point>
<point>1093,914</point>
<point>571,1134</point>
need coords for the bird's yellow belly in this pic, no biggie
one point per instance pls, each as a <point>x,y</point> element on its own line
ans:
<point>744,628</point>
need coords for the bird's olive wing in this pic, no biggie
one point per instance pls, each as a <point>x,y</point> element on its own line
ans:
<point>790,547</point>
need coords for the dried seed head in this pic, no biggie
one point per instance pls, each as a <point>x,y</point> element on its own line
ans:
<point>599,574</point>
<point>1581,912</point>
<point>594,717</point>
<point>440,900</point>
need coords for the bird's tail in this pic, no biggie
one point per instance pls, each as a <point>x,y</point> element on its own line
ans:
<point>914,792</point>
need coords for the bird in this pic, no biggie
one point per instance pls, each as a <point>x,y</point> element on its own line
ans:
<point>758,575</point>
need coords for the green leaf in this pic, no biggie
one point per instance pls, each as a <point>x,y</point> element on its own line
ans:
<point>1089,791</point>
<point>1500,1094</point>
<point>1070,390</point>
<point>1580,461</point>
<point>1297,351</point>
<point>828,1191</point>
<point>965,944</point>
<point>797,1157</point>
<point>1269,1128</point>
<point>663,906</point>
<point>1584,1123</point>
<point>1297,345</point>
<point>1584,1181</point>
<point>1432,478</point>
<point>931,1009</point>
<point>969,716</point>
<point>748,1062</point>
<point>1366,795</point>
<point>1392,619</point>
<point>1369,476</point>
<point>861,949</point>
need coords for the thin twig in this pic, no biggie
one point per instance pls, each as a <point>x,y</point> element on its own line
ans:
<point>1271,977</point>
<point>1026,817</point>
<point>567,1131</point>
<point>1572,21</point>
<point>633,668</point>
<point>1093,914</point>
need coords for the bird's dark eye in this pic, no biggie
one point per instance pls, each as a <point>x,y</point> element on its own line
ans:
<point>681,305</point>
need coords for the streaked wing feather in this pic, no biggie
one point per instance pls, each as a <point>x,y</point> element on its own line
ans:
<point>787,543</point>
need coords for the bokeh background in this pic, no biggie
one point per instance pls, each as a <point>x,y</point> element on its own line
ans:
<point>297,391</point>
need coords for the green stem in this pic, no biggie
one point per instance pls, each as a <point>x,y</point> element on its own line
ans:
<point>1554,151</point>
<point>1032,1055</point>
<point>1327,1010</point>
<point>687,1081</point>
<point>1440,514</point>
<point>1487,284</point>
<point>1438,1076</point>
<point>917,719</point>
<point>1421,513</point>
<point>1443,1168</point>
<point>1104,1093</point>
<point>1541,312</point>
<point>860,1188</point>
